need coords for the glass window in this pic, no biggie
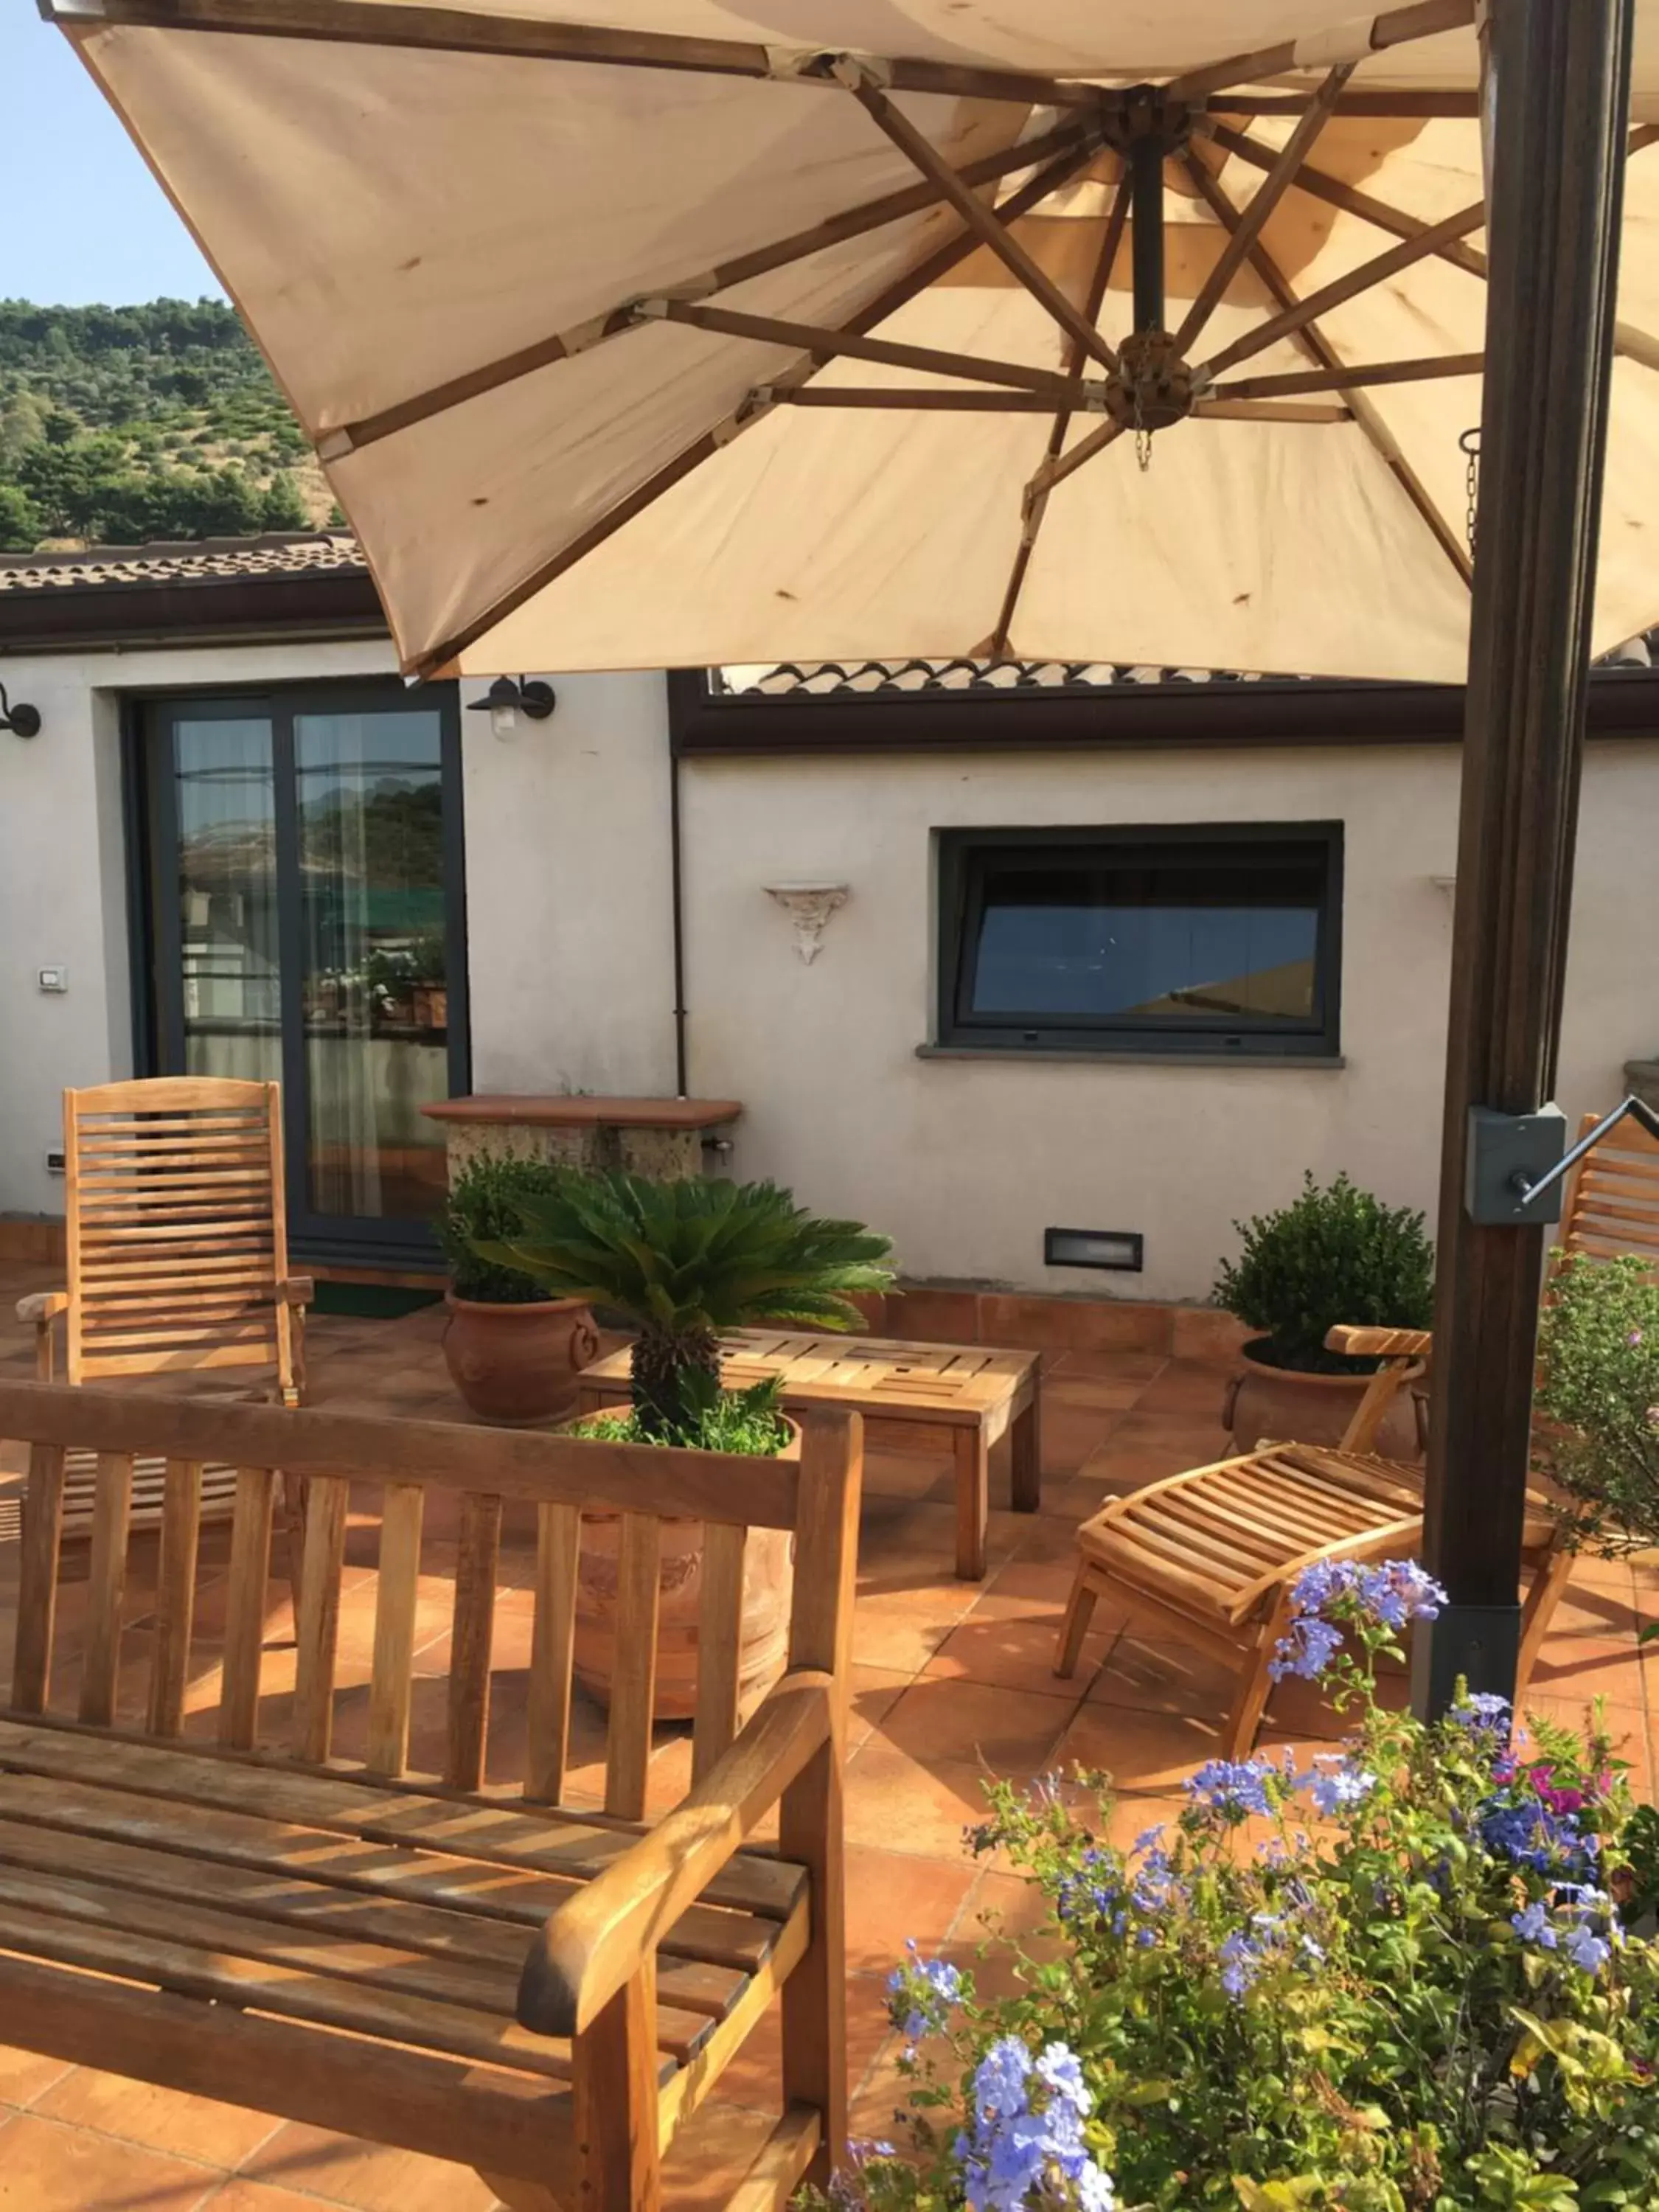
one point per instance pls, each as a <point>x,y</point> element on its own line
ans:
<point>1208,940</point>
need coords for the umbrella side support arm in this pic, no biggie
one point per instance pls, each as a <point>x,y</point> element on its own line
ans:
<point>1310,335</point>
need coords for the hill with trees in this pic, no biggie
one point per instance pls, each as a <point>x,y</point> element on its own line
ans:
<point>161,421</point>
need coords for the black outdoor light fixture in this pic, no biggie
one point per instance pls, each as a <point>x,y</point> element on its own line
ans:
<point>510,696</point>
<point>22,720</point>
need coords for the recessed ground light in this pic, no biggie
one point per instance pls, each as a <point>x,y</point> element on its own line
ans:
<point>1121,1250</point>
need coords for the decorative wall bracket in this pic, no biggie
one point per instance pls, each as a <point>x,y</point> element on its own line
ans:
<point>809,907</point>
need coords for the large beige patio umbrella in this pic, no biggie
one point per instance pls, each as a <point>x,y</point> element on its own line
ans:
<point>647,332</point>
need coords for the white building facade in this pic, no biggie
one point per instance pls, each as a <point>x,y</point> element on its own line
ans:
<point>631,887</point>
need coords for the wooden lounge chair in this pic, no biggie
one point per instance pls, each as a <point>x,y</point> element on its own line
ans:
<point>1220,1546</point>
<point>177,1258</point>
<point>547,1995</point>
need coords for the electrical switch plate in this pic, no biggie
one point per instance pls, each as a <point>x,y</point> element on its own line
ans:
<point>53,979</point>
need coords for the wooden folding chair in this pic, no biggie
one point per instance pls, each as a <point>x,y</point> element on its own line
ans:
<point>177,1260</point>
<point>1221,1546</point>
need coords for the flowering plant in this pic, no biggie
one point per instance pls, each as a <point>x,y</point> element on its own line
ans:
<point>1398,1980</point>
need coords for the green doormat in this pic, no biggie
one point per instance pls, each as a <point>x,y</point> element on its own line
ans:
<point>373,1301</point>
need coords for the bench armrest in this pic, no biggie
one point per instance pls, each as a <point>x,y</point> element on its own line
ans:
<point>594,1944</point>
<point>297,1291</point>
<point>43,1307</point>
<point>1380,1343</point>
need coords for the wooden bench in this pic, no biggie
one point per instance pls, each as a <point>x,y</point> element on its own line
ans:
<point>547,1995</point>
<point>978,1394</point>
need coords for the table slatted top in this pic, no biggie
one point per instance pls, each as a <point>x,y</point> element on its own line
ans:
<point>896,1381</point>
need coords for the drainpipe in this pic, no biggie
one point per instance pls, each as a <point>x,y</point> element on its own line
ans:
<point>676,898</point>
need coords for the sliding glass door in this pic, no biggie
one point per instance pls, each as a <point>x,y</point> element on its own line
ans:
<point>307,921</point>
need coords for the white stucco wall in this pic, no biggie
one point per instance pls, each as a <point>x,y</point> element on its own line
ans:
<point>964,1162</point>
<point>569,916</point>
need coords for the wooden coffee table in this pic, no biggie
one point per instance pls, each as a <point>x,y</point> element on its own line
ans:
<point>977,1394</point>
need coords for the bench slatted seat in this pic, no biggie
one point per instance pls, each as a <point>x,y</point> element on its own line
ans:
<point>546,1992</point>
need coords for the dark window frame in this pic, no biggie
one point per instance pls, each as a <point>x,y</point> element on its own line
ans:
<point>959,857</point>
<point>147,716</point>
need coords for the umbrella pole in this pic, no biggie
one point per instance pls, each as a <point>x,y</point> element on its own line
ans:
<point>1561,70</point>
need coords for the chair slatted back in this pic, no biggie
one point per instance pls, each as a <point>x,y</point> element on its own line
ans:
<point>1612,1202</point>
<point>467,1677</point>
<point>177,1230</point>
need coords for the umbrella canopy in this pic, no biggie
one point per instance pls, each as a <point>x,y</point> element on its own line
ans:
<point>653,332</point>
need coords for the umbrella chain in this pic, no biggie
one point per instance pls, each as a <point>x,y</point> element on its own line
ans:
<point>1469,443</point>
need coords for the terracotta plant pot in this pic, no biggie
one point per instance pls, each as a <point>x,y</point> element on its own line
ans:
<point>1286,1407</point>
<point>768,1582</point>
<point>519,1363</point>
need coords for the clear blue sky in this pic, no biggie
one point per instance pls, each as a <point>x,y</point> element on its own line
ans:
<point>84,220</point>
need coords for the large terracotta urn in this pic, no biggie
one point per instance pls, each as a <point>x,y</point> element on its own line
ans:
<point>1281,1405</point>
<point>768,1581</point>
<point>519,1363</point>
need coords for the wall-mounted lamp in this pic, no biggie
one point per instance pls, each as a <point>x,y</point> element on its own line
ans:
<point>508,697</point>
<point>23,720</point>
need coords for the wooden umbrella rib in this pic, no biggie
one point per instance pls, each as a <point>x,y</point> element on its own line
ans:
<point>1266,411</point>
<point>1402,106</point>
<point>833,230</point>
<point>906,397</point>
<point>1349,378</point>
<point>992,228</point>
<point>1310,335</point>
<point>520,38</point>
<point>1034,502</point>
<point>1362,279</point>
<point>1279,178</point>
<point>888,301</point>
<point>1055,472</point>
<point>1332,190</point>
<point>1397,27</point>
<point>824,344</point>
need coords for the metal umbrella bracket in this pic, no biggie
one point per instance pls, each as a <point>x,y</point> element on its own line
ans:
<point>1516,1164</point>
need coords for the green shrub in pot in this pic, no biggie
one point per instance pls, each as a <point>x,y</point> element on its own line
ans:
<point>1335,1254</point>
<point>687,1261</point>
<point>485,1206</point>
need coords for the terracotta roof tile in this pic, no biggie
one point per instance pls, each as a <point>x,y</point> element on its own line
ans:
<point>107,568</point>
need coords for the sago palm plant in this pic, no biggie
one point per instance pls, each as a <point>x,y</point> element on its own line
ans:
<point>687,1261</point>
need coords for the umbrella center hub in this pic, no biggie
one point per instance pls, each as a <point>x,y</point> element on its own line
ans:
<point>1151,385</point>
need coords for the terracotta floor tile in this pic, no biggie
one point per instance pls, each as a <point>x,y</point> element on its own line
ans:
<point>895,1802</point>
<point>161,2119</point>
<point>1138,1368</point>
<point>239,2195</point>
<point>713,2153</point>
<point>48,2168</point>
<point>1016,1653</point>
<point>892,1896</point>
<point>367,2176</point>
<point>1071,1435</point>
<point>1093,1394</point>
<point>23,2076</point>
<point>1196,1389</point>
<point>1144,1753</point>
<point>1591,1667</point>
<point>1012,1732</point>
<point>1147,1674</point>
<point>874,1692</point>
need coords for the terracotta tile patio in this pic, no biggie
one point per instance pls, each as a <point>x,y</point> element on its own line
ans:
<point>951,1678</point>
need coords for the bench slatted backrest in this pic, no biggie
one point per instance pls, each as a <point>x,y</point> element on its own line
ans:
<point>1613,1202</point>
<point>177,1235</point>
<point>507,1508</point>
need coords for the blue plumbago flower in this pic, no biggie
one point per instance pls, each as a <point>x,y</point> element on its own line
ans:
<point>1234,1788</point>
<point>1344,1786</point>
<point>1149,1839</point>
<point>1534,1926</point>
<point>1484,1713</point>
<point>921,1993</point>
<point>1384,1596</point>
<point>1307,1651</point>
<point>1093,1891</point>
<point>1530,1835</point>
<point>1154,1887</point>
<point>1588,1950</point>
<point>1026,2138</point>
<point>1241,1960</point>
